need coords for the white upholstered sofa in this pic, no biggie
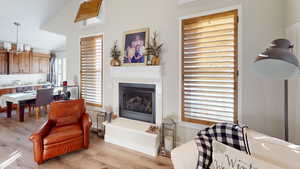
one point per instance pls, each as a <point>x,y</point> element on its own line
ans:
<point>266,148</point>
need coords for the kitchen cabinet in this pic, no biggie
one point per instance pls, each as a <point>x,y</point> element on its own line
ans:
<point>14,63</point>
<point>19,63</point>
<point>44,65</point>
<point>40,63</point>
<point>28,62</point>
<point>3,62</point>
<point>35,66</point>
<point>24,62</point>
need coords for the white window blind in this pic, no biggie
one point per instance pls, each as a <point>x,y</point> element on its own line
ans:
<point>209,68</point>
<point>91,50</point>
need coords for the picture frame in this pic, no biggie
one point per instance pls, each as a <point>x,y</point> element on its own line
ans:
<point>135,43</point>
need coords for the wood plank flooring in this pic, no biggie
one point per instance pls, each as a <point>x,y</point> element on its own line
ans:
<point>14,141</point>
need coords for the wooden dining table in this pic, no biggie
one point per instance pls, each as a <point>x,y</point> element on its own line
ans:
<point>22,100</point>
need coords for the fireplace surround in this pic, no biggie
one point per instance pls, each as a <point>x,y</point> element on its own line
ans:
<point>137,101</point>
<point>131,133</point>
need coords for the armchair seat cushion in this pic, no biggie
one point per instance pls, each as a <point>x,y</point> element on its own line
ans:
<point>60,134</point>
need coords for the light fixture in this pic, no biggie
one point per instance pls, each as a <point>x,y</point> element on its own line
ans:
<point>27,48</point>
<point>19,46</point>
<point>278,62</point>
<point>6,46</point>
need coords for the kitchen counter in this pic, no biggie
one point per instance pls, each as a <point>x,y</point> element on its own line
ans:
<point>15,86</point>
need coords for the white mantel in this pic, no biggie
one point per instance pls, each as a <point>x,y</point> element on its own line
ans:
<point>137,72</point>
<point>142,75</point>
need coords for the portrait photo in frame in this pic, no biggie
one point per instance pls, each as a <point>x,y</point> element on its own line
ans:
<point>134,44</point>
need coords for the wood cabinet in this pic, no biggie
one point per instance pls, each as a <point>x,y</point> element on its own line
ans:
<point>28,62</point>
<point>40,63</point>
<point>24,62</point>
<point>3,62</point>
<point>14,62</point>
<point>35,65</point>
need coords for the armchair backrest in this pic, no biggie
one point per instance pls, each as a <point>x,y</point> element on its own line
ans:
<point>66,112</point>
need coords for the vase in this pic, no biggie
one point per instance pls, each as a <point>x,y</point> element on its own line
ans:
<point>155,60</point>
<point>115,62</point>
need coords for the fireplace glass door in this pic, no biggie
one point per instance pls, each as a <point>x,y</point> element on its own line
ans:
<point>137,101</point>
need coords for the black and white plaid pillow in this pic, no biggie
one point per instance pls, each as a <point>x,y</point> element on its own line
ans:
<point>230,134</point>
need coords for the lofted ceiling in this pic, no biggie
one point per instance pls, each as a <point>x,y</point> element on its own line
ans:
<point>31,14</point>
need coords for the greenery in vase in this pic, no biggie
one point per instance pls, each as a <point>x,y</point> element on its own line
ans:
<point>115,52</point>
<point>154,48</point>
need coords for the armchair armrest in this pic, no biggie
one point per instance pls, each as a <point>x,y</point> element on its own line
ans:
<point>37,139</point>
<point>86,124</point>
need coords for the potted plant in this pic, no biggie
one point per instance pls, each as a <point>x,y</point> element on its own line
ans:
<point>115,54</point>
<point>154,49</point>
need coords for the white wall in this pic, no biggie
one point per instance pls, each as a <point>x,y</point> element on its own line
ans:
<point>31,14</point>
<point>292,24</point>
<point>261,101</point>
<point>292,12</point>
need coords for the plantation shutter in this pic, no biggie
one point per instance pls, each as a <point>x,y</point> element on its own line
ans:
<point>209,68</point>
<point>91,50</point>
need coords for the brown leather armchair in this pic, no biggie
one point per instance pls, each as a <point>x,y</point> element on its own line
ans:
<point>66,130</point>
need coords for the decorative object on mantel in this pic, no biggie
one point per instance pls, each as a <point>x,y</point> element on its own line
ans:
<point>154,49</point>
<point>115,54</point>
<point>168,137</point>
<point>153,129</point>
<point>134,44</point>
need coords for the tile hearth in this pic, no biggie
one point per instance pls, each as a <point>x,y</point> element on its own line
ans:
<point>132,134</point>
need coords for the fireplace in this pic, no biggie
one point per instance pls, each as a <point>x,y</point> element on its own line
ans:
<point>137,101</point>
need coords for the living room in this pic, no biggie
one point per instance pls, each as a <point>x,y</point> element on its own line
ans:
<point>153,75</point>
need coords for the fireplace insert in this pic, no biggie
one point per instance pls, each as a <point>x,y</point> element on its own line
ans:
<point>137,101</point>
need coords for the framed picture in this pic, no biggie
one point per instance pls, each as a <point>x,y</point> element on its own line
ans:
<point>135,42</point>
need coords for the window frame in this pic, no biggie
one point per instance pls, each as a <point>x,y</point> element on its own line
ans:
<point>102,69</point>
<point>60,67</point>
<point>236,63</point>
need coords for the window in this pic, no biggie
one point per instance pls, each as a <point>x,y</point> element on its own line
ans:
<point>91,50</point>
<point>209,68</point>
<point>60,67</point>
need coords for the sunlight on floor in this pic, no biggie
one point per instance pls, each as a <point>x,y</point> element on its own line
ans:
<point>12,158</point>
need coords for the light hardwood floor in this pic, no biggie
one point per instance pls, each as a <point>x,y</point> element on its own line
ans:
<point>14,141</point>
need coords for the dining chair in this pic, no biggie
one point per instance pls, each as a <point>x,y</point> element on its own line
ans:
<point>43,98</point>
<point>22,90</point>
<point>46,86</point>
